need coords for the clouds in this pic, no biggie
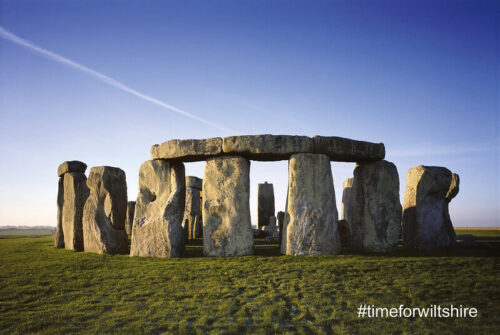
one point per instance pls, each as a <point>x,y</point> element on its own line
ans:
<point>7,35</point>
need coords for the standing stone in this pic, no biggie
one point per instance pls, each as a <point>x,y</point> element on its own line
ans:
<point>372,207</point>
<point>59,236</point>
<point>265,203</point>
<point>345,234</point>
<point>76,193</point>
<point>105,211</point>
<point>157,229</point>
<point>426,219</point>
<point>192,212</point>
<point>281,221</point>
<point>346,194</point>
<point>227,229</point>
<point>129,219</point>
<point>311,209</point>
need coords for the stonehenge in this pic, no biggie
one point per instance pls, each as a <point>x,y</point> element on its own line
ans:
<point>265,204</point>
<point>192,213</point>
<point>426,220</point>
<point>72,194</point>
<point>311,208</point>
<point>129,219</point>
<point>157,229</point>
<point>371,207</point>
<point>105,210</point>
<point>93,214</point>
<point>227,230</point>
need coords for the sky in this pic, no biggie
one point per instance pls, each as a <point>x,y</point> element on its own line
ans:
<point>102,81</point>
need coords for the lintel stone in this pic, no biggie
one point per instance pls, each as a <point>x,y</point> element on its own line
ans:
<point>188,150</point>
<point>71,166</point>
<point>347,150</point>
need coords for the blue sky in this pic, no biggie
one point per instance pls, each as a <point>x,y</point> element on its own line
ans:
<point>420,76</point>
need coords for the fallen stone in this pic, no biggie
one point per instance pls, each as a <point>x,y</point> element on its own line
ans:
<point>59,236</point>
<point>105,210</point>
<point>227,229</point>
<point>157,229</point>
<point>311,208</point>
<point>265,203</point>
<point>347,150</point>
<point>426,219</point>
<point>267,147</point>
<point>71,166</point>
<point>373,209</point>
<point>187,150</point>
<point>129,219</point>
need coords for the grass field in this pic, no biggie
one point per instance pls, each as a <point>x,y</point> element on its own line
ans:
<point>53,291</point>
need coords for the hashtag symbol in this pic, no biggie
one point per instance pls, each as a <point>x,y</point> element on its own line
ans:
<point>362,311</point>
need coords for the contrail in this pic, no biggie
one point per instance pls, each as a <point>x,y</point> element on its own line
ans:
<point>7,35</point>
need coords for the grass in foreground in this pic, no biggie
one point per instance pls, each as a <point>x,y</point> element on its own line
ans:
<point>50,291</point>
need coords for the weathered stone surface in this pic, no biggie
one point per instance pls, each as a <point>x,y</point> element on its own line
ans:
<point>347,150</point>
<point>157,229</point>
<point>59,236</point>
<point>227,229</point>
<point>129,219</point>
<point>194,182</point>
<point>265,203</point>
<point>346,194</point>
<point>71,166</point>
<point>192,212</point>
<point>267,147</point>
<point>372,207</point>
<point>187,150</point>
<point>426,219</point>
<point>105,210</point>
<point>311,209</point>
<point>76,193</point>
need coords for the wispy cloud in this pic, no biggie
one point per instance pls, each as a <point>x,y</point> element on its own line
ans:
<point>7,35</point>
<point>428,150</point>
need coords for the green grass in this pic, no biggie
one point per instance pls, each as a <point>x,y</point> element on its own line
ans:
<point>53,291</point>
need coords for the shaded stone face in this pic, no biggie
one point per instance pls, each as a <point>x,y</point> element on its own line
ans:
<point>157,229</point>
<point>372,208</point>
<point>71,166</point>
<point>76,193</point>
<point>267,147</point>
<point>105,210</point>
<point>129,219</point>
<point>59,237</point>
<point>311,218</point>
<point>265,203</point>
<point>227,229</point>
<point>187,150</point>
<point>426,219</point>
<point>192,213</point>
<point>347,150</point>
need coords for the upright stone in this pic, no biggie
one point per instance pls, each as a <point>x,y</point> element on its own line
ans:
<point>346,195</point>
<point>281,221</point>
<point>227,229</point>
<point>426,219</point>
<point>265,203</point>
<point>311,209</point>
<point>105,211</point>
<point>76,193</point>
<point>59,236</point>
<point>372,207</point>
<point>129,219</point>
<point>157,229</point>
<point>192,212</point>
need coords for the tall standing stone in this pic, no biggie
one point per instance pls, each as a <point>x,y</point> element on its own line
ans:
<point>192,212</point>
<point>227,229</point>
<point>426,219</point>
<point>59,236</point>
<point>265,203</point>
<point>71,197</point>
<point>105,211</point>
<point>346,195</point>
<point>129,219</point>
<point>311,209</point>
<point>372,207</point>
<point>157,229</point>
